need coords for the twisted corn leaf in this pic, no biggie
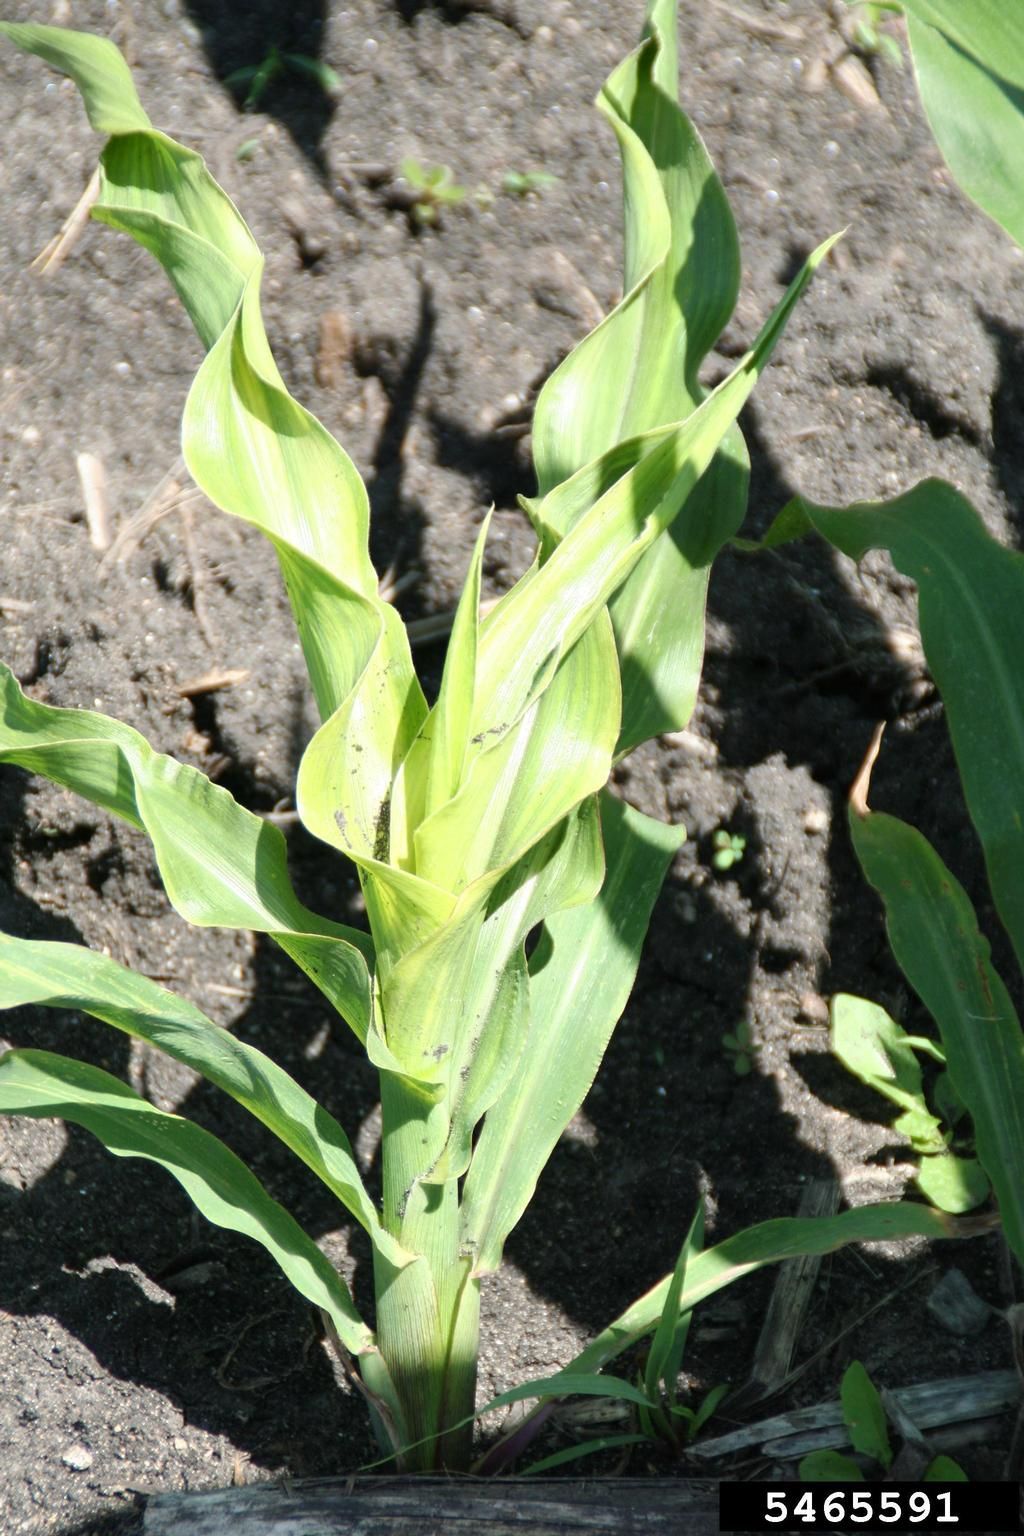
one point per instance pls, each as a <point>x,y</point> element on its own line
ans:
<point>70,976</point>
<point>492,1014</point>
<point>638,371</point>
<point>969,63</point>
<point>249,446</point>
<point>221,865</point>
<point>41,1085</point>
<point>546,647</point>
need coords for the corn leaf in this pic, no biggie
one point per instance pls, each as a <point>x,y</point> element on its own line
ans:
<point>98,69</point>
<point>638,371</point>
<point>489,1018</point>
<point>249,446</point>
<point>770,1242</point>
<point>41,1085</point>
<point>971,610</point>
<point>969,62</point>
<point>69,976</point>
<point>615,509</point>
<point>581,974</point>
<point>221,865</point>
<point>934,935</point>
<point>988,30</point>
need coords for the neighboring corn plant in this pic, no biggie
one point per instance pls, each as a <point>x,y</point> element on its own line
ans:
<point>473,823</point>
<point>970,69</point>
<point>971,610</point>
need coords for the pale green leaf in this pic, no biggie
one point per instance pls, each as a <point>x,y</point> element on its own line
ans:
<point>44,1086</point>
<point>97,68</point>
<point>953,1183</point>
<point>976,109</point>
<point>70,976</point>
<point>581,974</point>
<point>527,773</point>
<point>611,524</point>
<point>638,371</point>
<point>221,865</point>
<point>254,451</point>
<point>492,1014</point>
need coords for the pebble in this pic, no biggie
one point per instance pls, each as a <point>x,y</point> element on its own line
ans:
<point>77,1458</point>
<point>813,1008</point>
<point>815,821</point>
<point>956,1306</point>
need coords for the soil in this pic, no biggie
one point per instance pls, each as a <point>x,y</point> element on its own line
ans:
<point>141,1350</point>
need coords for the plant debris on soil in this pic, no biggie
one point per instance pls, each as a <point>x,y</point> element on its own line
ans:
<point>141,1350</point>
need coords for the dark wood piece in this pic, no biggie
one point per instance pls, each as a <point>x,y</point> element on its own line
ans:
<point>438,1506</point>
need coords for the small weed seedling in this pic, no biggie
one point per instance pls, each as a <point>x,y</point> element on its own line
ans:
<point>868,35</point>
<point>523,183</point>
<point>427,191</point>
<point>739,1044</point>
<point>879,1051</point>
<point>728,849</point>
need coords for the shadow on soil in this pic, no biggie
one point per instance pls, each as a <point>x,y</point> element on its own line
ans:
<point>244,37</point>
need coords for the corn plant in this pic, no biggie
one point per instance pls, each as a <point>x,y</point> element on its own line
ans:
<point>472,823</point>
<point>969,63</point>
<point>971,609</point>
